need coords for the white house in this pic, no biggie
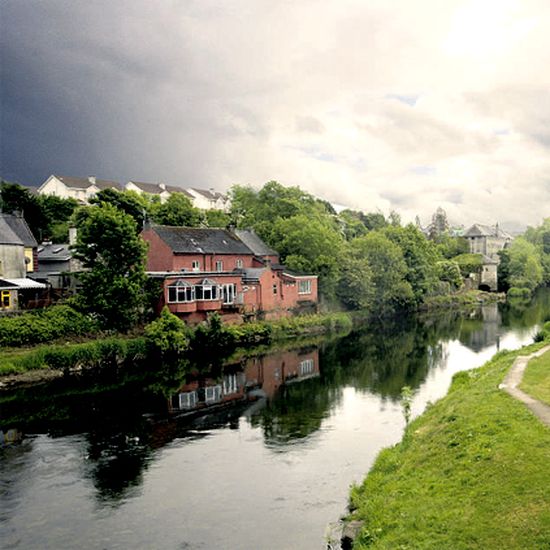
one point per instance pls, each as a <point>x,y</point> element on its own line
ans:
<point>81,189</point>
<point>208,199</point>
<point>160,190</point>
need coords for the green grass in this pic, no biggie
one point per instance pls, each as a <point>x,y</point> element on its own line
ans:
<point>536,379</point>
<point>473,472</point>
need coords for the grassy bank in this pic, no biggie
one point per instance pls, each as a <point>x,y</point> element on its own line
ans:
<point>122,350</point>
<point>471,473</point>
<point>536,380</point>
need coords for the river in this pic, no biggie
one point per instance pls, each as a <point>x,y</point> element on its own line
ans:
<point>259,457</point>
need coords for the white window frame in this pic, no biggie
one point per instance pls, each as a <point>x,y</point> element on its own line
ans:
<point>306,367</point>
<point>195,265</point>
<point>219,265</point>
<point>181,292</point>
<point>239,263</point>
<point>209,289</point>
<point>304,286</point>
<point>228,293</point>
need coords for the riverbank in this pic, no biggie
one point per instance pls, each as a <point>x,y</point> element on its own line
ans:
<point>47,361</point>
<point>471,472</point>
<point>462,299</point>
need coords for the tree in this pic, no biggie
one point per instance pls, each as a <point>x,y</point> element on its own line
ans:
<point>109,247</point>
<point>355,288</point>
<point>167,337</point>
<point>388,267</point>
<point>420,255</point>
<point>178,211</point>
<point>311,246</point>
<point>128,201</point>
<point>525,268</point>
<point>449,272</point>
<point>439,225</point>
<point>217,218</point>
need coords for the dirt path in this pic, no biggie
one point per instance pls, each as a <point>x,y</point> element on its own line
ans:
<point>513,380</point>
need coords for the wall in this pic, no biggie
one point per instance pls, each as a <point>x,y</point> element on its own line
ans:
<point>12,261</point>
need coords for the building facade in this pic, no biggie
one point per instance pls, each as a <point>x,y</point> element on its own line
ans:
<point>206,270</point>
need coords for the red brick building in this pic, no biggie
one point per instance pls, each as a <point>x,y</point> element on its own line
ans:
<point>232,272</point>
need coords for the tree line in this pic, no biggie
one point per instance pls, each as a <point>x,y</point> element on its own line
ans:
<point>363,260</point>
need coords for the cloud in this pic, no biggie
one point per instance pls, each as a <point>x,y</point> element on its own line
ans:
<point>377,106</point>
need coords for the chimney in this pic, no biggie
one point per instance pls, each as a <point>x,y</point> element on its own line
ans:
<point>92,179</point>
<point>72,235</point>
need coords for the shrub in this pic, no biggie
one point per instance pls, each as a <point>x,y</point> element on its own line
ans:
<point>516,293</point>
<point>44,326</point>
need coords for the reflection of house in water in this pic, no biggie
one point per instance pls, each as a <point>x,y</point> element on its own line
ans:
<point>205,392</point>
<point>269,372</point>
<point>483,329</point>
<point>261,377</point>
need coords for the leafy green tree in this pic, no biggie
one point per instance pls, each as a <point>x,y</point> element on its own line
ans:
<point>449,272</point>
<point>178,211</point>
<point>167,337</point>
<point>129,202</point>
<point>374,220</point>
<point>310,246</point>
<point>391,290</point>
<point>525,266</point>
<point>355,288</point>
<point>449,247</point>
<point>351,224</point>
<point>217,218</point>
<point>114,255</point>
<point>420,255</point>
<point>15,198</point>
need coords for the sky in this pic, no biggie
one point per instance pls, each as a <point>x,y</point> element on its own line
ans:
<point>371,104</point>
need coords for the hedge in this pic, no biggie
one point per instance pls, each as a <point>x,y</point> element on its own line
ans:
<point>44,326</point>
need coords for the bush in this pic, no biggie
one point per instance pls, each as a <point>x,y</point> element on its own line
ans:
<point>44,326</point>
<point>516,293</point>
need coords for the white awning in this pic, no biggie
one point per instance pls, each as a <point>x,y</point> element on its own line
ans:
<point>25,283</point>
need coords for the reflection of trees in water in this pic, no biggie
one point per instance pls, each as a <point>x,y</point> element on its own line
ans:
<point>381,360</point>
<point>296,411</point>
<point>525,314</point>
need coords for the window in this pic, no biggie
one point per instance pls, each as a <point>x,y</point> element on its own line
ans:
<point>239,263</point>
<point>188,400</point>
<point>212,394</point>
<point>306,367</point>
<point>207,290</point>
<point>228,293</point>
<point>304,286</point>
<point>219,265</point>
<point>195,264</point>
<point>6,302</point>
<point>180,292</point>
<point>274,289</point>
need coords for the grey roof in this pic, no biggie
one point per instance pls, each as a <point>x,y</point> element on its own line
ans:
<point>174,189</point>
<point>19,226</point>
<point>151,188</point>
<point>84,183</point>
<point>252,273</point>
<point>194,240</point>
<point>254,242</point>
<point>54,253</point>
<point>480,230</point>
<point>7,235</point>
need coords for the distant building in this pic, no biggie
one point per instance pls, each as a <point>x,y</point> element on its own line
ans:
<point>488,241</point>
<point>81,189</point>
<point>233,273</point>
<point>208,199</point>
